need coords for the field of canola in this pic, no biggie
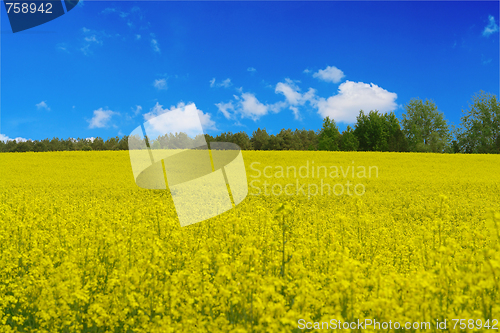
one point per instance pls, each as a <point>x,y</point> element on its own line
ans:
<point>83,249</point>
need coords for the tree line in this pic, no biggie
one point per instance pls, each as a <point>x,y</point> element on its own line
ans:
<point>422,128</point>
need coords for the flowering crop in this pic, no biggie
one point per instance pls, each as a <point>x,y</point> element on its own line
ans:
<point>83,249</point>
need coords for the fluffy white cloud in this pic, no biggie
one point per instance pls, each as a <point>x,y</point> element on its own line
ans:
<point>251,69</point>
<point>296,113</point>
<point>277,107</point>
<point>226,83</point>
<point>137,36</point>
<point>225,108</point>
<point>5,138</point>
<point>329,74</point>
<point>251,107</point>
<point>248,106</point>
<point>293,96</point>
<point>42,105</point>
<point>491,27</point>
<point>353,97</point>
<point>180,118</point>
<point>160,84</point>
<point>101,118</point>
<point>290,90</point>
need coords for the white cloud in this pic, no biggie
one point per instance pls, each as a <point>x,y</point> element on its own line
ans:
<point>491,27</point>
<point>251,69</point>
<point>307,71</point>
<point>329,74</point>
<point>296,113</point>
<point>42,105</point>
<point>277,107</point>
<point>180,118</point>
<point>137,110</point>
<point>226,83</point>
<point>160,84</point>
<point>137,36</point>
<point>224,108</point>
<point>154,44</point>
<point>5,138</point>
<point>101,118</point>
<point>248,106</point>
<point>293,96</point>
<point>290,90</point>
<point>251,107</point>
<point>353,97</point>
<point>91,139</point>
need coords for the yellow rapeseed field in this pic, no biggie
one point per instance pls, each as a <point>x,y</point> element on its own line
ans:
<point>83,249</point>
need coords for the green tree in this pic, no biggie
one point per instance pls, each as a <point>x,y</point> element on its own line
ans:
<point>371,131</point>
<point>313,138</point>
<point>40,146</point>
<point>111,143</point>
<point>10,146</point>
<point>286,138</point>
<point>379,132</point>
<point>329,136</point>
<point>68,144</point>
<point>259,139</point>
<point>123,143</point>
<point>22,147</point>
<point>396,140</point>
<point>98,144</point>
<point>208,139</point>
<point>349,141</point>
<point>274,143</point>
<point>242,140</point>
<point>300,139</point>
<point>55,145</point>
<point>480,125</point>
<point>425,127</point>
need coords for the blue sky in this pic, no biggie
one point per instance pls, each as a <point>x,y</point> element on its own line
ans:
<point>106,67</point>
